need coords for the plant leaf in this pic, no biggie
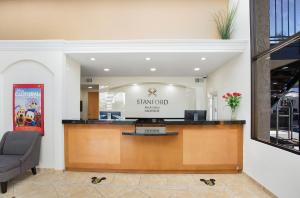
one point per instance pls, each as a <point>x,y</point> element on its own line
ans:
<point>225,21</point>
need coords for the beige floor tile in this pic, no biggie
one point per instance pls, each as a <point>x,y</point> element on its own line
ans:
<point>112,191</point>
<point>184,194</point>
<point>202,190</point>
<point>126,179</point>
<point>70,178</point>
<point>33,190</point>
<point>50,183</point>
<point>153,180</point>
<point>182,181</point>
<point>158,193</point>
<point>77,190</point>
<point>134,194</point>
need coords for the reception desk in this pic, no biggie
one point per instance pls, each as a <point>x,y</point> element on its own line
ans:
<point>188,146</point>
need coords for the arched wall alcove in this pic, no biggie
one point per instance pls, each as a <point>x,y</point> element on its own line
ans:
<point>30,72</point>
<point>6,67</point>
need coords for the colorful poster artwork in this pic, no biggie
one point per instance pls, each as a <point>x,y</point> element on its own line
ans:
<point>28,107</point>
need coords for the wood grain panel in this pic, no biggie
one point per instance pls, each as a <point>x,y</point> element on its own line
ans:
<point>94,145</point>
<point>150,153</point>
<point>197,148</point>
<point>210,146</point>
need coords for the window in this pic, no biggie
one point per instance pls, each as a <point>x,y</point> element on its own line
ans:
<point>284,19</point>
<point>276,73</point>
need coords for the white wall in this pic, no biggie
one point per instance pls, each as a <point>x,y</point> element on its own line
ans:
<point>45,67</point>
<point>36,73</point>
<point>72,89</point>
<point>35,67</point>
<point>125,99</point>
<point>275,169</point>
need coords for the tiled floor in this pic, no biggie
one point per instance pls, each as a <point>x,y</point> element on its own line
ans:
<point>50,183</point>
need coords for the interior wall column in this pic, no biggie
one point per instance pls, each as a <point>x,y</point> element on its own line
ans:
<point>261,68</point>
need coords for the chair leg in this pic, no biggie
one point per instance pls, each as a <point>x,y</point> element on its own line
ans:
<point>33,170</point>
<point>4,187</point>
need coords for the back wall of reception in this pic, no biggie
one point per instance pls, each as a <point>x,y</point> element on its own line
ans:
<point>126,94</point>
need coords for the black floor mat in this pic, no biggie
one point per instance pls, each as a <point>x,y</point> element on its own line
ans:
<point>96,180</point>
<point>209,182</point>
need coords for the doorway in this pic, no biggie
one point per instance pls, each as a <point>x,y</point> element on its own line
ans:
<point>93,105</point>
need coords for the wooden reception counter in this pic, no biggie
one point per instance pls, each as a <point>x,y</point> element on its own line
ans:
<point>188,146</point>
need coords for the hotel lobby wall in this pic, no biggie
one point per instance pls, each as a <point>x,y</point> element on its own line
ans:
<point>109,19</point>
<point>199,101</point>
<point>72,87</point>
<point>270,166</point>
<point>131,101</point>
<point>44,67</point>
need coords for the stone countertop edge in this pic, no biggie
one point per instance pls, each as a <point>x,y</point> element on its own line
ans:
<point>175,122</point>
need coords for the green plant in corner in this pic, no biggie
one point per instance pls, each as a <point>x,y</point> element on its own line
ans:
<point>225,21</point>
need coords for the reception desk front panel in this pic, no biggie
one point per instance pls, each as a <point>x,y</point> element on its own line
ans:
<point>190,148</point>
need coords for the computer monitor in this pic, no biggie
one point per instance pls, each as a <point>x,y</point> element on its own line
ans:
<point>195,115</point>
<point>110,115</point>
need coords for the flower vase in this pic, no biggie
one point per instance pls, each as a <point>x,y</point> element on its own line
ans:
<point>233,114</point>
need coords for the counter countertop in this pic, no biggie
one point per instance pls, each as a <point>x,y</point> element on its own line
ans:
<point>167,121</point>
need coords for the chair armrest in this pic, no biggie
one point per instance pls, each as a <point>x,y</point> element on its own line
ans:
<point>2,142</point>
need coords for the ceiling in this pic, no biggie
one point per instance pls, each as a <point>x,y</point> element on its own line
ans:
<point>166,63</point>
<point>90,87</point>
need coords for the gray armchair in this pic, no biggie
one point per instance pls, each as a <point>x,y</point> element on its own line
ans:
<point>18,152</point>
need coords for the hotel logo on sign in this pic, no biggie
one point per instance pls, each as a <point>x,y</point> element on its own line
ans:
<point>152,92</point>
<point>150,104</point>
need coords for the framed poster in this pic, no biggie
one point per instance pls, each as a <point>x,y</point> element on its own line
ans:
<point>28,107</point>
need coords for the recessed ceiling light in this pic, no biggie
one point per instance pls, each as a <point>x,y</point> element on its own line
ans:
<point>275,83</point>
<point>106,69</point>
<point>153,69</point>
<point>203,58</point>
<point>92,59</point>
<point>103,86</point>
<point>90,87</point>
<point>196,69</point>
<point>147,58</point>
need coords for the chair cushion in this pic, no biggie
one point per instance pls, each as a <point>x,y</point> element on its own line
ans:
<point>8,162</point>
<point>18,143</point>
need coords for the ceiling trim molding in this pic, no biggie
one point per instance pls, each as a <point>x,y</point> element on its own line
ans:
<point>125,46</point>
<point>140,46</point>
<point>31,45</point>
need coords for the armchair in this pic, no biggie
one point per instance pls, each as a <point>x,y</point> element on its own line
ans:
<point>18,152</point>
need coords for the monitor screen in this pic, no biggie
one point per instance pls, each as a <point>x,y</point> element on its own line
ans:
<point>110,115</point>
<point>195,115</point>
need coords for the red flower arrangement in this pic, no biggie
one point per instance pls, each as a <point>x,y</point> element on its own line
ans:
<point>233,101</point>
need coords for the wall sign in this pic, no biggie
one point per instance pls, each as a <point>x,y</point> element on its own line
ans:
<point>28,107</point>
<point>152,104</point>
<point>158,101</point>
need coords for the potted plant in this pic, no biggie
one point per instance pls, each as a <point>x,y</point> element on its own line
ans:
<point>225,21</point>
<point>233,101</point>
